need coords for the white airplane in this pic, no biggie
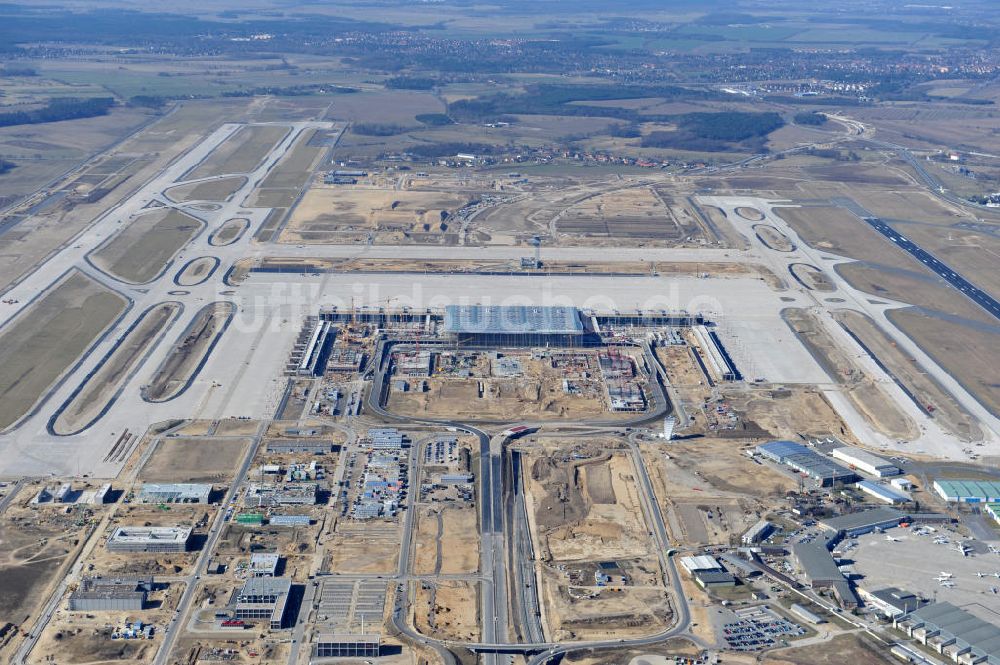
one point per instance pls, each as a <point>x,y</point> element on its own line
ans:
<point>942,579</point>
<point>948,585</point>
<point>964,549</point>
<point>982,575</point>
<point>891,539</point>
<point>994,549</point>
<point>945,574</point>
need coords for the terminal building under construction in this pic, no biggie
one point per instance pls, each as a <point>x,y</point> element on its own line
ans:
<point>500,326</point>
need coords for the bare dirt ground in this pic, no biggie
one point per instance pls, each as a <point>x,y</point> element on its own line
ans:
<point>229,232</point>
<point>46,339</point>
<point>189,353</point>
<point>240,153</point>
<point>446,540</point>
<point>849,648</point>
<point>197,271</point>
<point>143,248</point>
<point>773,238</point>
<point>359,547</point>
<point>585,508</point>
<point>710,491</point>
<point>324,213</point>
<point>193,460</point>
<point>868,398</point>
<point>447,610</point>
<point>101,387</point>
<point>812,277</point>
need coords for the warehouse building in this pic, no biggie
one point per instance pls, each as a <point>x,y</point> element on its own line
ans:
<point>110,594</point>
<point>807,614</point>
<point>952,632</point>
<point>968,491</point>
<point>759,532</point>
<point>347,646</point>
<point>385,438</point>
<point>865,521</point>
<point>264,598</point>
<point>820,571</point>
<point>289,520</point>
<point>150,539</point>
<point>872,464</point>
<point>174,493</point>
<point>806,461</point>
<point>882,492</point>
<point>299,446</point>
<point>891,602</point>
<point>517,326</point>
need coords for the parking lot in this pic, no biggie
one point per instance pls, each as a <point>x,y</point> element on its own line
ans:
<point>758,628</point>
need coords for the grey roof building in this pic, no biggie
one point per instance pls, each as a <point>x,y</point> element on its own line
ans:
<point>516,325</point>
<point>953,632</point>
<point>821,571</point>
<point>149,539</point>
<point>892,602</point>
<point>264,598</point>
<point>865,521</point>
<point>110,594</point>
<point>175,493</point>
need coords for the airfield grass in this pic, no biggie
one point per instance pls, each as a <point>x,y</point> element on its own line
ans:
<point>213,190</point>
<point>964,351</point>
<point>230,232</point>
<point>100,388</point>
<point>193,459</point>
<point>241,152</point>
<point>140,251</point>
<point>284,183</point>
<point>45,340</point>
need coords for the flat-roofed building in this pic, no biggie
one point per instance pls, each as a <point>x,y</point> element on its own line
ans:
<point>264,598</point>
<point>110,594</point>
<point>149,539</point>
<point>527,325</point>
<point>807,461</point>
<point>758,532</point>
<point>862,522</point>
<point>304,446</point>
<point>703,563</point>
<point>289,494</point>
<point>174,493</point>
<point>264,564</point>
<point>882,492</point>
<point>870,463</point>
<point>333,645</point>
<point>891,602</point>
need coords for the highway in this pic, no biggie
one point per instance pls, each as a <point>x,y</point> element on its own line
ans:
<point>969,290</point>
<point>522,558</point>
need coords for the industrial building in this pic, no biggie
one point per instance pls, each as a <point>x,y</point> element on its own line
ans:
<point>289,520</point>
<point>308,349</point>
<point>968,491</point>
<point>299,446</point>
<point>857,458</point>
<point>758,532</point>
<point>821,571</point>
<point>264,564</point>
<point>865,521</point>
<point>150,539</point>
<point>807,614</point>
<point>269,494</point>
<point>882,492</point>
<point>806,461</point>
<point>104,494</point>
<point>110,594</point>
<point>174,493</point>
<point>891,602</point>
<point>264,598</point>
<point>512,326</point>
<point>385,438</point>
<point>952,632</point>
<point>347,646</point>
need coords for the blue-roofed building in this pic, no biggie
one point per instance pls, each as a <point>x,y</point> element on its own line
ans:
<point>807,461</point>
